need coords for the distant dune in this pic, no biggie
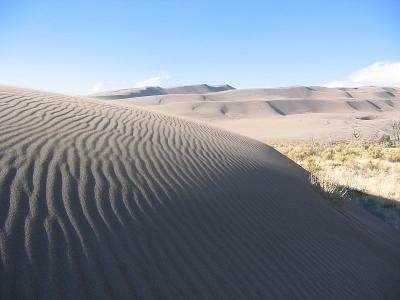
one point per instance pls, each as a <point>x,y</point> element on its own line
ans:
<point>151,91</point>
<point>324,113</point>
<point>105,201</point>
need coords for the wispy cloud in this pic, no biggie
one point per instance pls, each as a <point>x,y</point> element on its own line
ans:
<point>97,87</point>
<point>158,80</point>
<point>153,81</point>
<point>378,74</point>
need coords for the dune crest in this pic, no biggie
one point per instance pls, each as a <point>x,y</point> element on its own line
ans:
<point>103,201</point>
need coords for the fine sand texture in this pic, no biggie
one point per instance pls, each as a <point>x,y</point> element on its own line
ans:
<point>292,113</point>
<point>104,201</point>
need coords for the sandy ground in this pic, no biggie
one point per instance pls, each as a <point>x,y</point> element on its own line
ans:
<point>104,201</point>
<point>293,113</point>
<point>321,127</point>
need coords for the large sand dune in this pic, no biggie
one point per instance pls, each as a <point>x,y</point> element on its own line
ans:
<point>99,200</point>
<point>324,113</point>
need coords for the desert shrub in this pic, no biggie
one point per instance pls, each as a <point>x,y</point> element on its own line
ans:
<point>311,165</point>
<point>394,156</point>
<point>339,156</point>
<point>328,154</point>
<point>385,140</point>
<point>338,147</point>
<point>396,131</point>
<point>349,150</point>
<point>301,153</point>
<point>356,134</point>
<point>371,165</point>
<point>375,152</point>
<point>365,146</point>
<point>329,190</point>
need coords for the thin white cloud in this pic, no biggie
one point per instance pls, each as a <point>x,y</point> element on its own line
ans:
<point>101,86</point>
<point>97,87</point>
<point>153,81</point>
<point>378,74</point>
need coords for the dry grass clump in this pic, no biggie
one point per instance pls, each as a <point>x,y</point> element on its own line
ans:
<point>370,167</point>
<point>330,190</point>
<point>367,173</point>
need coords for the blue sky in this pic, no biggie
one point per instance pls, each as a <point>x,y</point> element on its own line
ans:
<point>77,47</point>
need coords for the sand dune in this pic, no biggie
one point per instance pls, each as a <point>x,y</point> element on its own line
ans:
<point>151,91</point>
<point>331,113</point>
<point>104,201</point>
<point>228,93</point>
<point>225,110</point>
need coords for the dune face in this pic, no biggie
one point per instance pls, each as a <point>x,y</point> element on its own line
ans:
<point>323,113</point>
<point>101,201</point>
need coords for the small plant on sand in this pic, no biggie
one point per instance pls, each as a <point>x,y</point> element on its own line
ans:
<point>329,189</point>
<point>311,165</point>
<point>375,152</point>
<point>396,131</point>
<point>356,135</point>
<point>328,154</point>
<point>385,140</point>
<point>394,156</point>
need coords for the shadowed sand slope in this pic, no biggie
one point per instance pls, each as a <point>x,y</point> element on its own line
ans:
<point>103,201</point>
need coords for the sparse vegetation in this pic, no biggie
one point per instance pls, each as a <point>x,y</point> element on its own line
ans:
<point>367,173</point>
<point>329,189</point>
<point>396,131</point>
